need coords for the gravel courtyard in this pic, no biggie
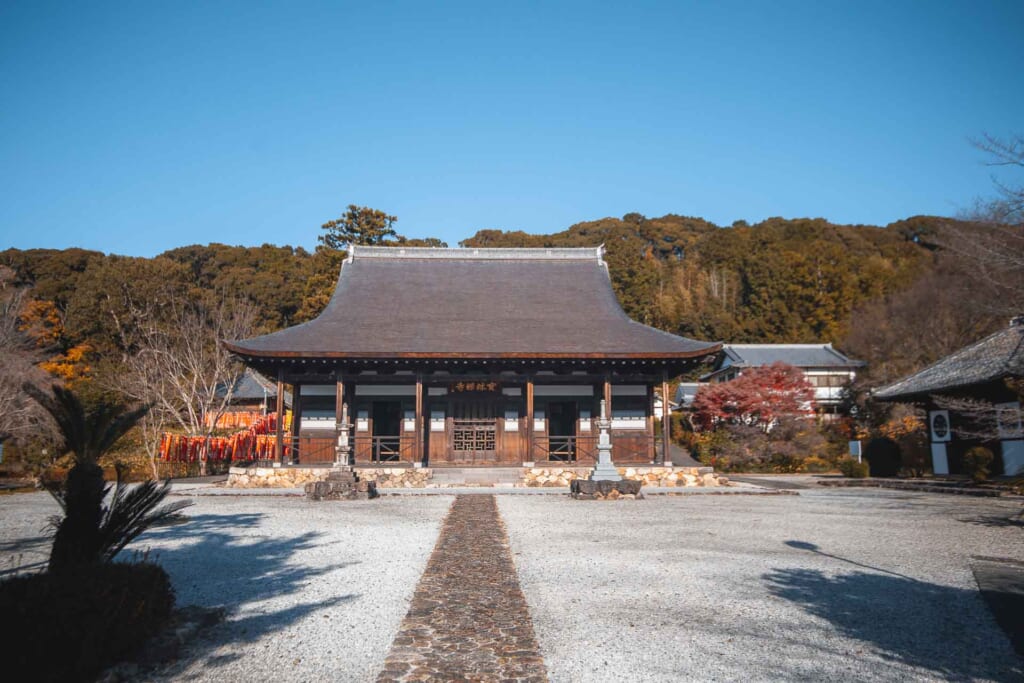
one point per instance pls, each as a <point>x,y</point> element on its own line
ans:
<point>827,585</point>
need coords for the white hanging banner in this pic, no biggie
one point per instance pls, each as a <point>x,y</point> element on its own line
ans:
<point>938,423</point>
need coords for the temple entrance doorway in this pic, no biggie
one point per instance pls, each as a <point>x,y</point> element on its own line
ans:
<point>387,430</point>
<point>562,419</point>
<point>474,430</point>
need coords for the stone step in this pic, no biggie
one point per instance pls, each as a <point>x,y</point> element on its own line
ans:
<point>477,475</point>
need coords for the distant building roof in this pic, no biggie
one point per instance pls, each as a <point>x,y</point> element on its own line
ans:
<point>476,303</point>
<point>685,393</point>
<point>252,386</point>
<point>995,357</point>
<point>803,356</point>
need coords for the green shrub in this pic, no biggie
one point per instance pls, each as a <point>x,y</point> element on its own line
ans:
<point>786,463</point>
<point>883,454</point>
<point>93,617</point>
<point>682,432</point>
<point>977,461</point>
<point>853,469</point>
<point>915,453</point>
<point>814,465</point>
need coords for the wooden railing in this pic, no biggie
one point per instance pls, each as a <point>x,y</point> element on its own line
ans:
<point>635,448</point>
<point>626,448</point>
<point>307,450</point>
<point>385,449</point>
<point>565,449</point>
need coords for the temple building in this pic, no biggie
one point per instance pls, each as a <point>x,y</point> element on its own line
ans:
<point>432,357</point>
<point>973,398</point>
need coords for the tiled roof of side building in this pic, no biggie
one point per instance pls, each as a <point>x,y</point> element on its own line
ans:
<point>996,356</point>
<point>799,355</point>
<point>249,386</point>
<point>422,302</point>
<point>805,356</point>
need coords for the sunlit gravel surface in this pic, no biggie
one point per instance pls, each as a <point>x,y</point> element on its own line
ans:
<point>315,591</point>
<point>829,585</point>
<point>841,585</point>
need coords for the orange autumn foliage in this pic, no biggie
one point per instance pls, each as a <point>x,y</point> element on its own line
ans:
<point>908,424</point>
<point>41,321</point>
<point>70,366</point>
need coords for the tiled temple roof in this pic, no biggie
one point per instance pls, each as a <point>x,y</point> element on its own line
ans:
<point>996,356</point>
<point>483,303</point>
<point>804,356</point>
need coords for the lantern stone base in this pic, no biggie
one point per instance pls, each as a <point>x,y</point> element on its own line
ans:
<point>605,471</point>
<point>341,485</point>
<point>589,489</point>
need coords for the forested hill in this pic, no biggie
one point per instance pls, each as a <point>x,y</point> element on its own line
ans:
<point>778,281</point>
<point>782,280</point>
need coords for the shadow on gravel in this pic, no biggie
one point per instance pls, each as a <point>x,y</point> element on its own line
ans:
<point>21,553</point>
<point>231,565</point>
<point>996,521</point>
<point>22,544</point>
<point>937,628</point>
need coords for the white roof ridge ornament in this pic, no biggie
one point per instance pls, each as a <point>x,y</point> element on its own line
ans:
<point>479,253</point>
<point>775,346</point>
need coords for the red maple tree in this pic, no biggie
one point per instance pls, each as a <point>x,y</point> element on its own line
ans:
<point>758,397</point>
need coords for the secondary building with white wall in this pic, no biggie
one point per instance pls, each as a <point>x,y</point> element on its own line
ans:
<point>827,370</point>
<point>973,398</point>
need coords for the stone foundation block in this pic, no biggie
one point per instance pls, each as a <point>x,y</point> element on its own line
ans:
<point>397,477</point>
<point>274,477</point>
<point>341,485</point>
<point>586,489</point>
<point>553,476</point>
<point>672,477</point>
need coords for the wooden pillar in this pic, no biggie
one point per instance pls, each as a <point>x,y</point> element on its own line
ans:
<point>608,395</point>
<point>529,418</point>
<point>650,412</point>
<point>666,421</point>
<point>296,423</point>
<point>419,418</point>
<point>279,443</point>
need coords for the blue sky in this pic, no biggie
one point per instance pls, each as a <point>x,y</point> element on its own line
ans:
<point>138,127</point>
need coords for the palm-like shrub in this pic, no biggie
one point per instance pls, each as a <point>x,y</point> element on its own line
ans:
<point>89,531</point>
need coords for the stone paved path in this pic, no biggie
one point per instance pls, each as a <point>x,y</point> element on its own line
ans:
<point>468,619</point>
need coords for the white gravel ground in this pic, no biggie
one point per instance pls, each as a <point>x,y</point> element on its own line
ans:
<point>315,591</point>
<point>828,585</point>
<point>863,585</point>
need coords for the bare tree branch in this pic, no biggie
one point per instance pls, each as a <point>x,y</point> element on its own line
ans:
<point>20,418</point>
<point>983,420</point>
<point>181,368</point>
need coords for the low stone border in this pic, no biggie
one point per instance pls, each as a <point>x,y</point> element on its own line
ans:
<point>587,489</point>
<point>663,476</point>
<point>298,477</point>
<point>273,477</point>
<point>914,486</point>
<point>554,477</point>
<point>674,476</point>
<point>723,491</point>
<point>397,477</point>
<point>417,478</point>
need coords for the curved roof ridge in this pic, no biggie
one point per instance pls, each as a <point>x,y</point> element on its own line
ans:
<point>819,345</point>
<point>427,302</point>
<point>479,253</point>
<point>922,381</point>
